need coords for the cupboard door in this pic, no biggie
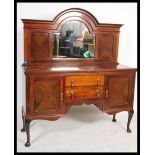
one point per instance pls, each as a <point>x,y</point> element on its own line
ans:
<point>41,46</point>
<point>118,90</point>
<point>47,92</point>
<point>105,47</point>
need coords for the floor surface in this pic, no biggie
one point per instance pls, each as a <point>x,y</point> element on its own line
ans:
<point>83,129</point>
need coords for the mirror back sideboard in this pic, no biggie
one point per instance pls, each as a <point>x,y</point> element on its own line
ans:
<point>71,60</point>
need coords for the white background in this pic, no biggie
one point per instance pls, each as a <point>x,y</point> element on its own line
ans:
<point>147,77</point>
<point>119,13</point>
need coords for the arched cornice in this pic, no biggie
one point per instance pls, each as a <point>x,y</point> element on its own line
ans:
<point>75,14</point>
<point>71,14</point>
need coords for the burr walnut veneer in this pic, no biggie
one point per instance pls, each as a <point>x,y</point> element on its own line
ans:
<point>53,85</point>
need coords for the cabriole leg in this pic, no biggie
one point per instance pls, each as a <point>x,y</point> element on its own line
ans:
<point>114,120</point>
<point>23,118</point>
<point>27,126</point>
<point>130,115</point>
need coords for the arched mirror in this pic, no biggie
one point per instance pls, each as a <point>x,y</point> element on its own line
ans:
<point>74,41</point>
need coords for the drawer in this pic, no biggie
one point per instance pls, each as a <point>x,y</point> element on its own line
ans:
<point>84,92</point>
<point>88,80</point>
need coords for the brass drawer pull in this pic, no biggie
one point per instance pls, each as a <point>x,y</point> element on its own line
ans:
<point>72,83</point>
<point>97,93</point>
<point>61,96</point>
<point>72,93</point>
<point>106,93</point>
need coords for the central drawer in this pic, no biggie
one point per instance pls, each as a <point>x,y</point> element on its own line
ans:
<point>84,80</point>
<point>84,92</point>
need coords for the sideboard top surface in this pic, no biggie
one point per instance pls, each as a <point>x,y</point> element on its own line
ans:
<point>104,67</point>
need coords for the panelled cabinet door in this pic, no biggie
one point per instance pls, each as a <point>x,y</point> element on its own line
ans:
<point>118,90</point>
<point>41,46</point>
<point>47,95</point>
<point>105,46</point>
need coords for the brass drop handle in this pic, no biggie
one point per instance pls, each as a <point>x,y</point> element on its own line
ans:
<point>72,93</point>
<point>72,83</point>
<point>97,82</point>
<point>106,93</point>
<point>97,92</point>
<point>61,96</point>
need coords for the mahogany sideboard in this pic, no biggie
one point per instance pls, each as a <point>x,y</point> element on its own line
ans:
<point>72,60</point>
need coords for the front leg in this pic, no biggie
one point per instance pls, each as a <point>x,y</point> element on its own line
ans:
<point>130,115</point>
<point>114,119</point>
<point>27,126</point>
<point>23,118</point>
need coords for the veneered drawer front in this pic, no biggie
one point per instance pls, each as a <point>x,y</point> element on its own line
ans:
<point>84,92</point>
<point>85,80</point>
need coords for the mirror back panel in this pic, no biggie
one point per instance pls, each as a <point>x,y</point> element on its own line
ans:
<point>74,41</point>
<point>74,34</point>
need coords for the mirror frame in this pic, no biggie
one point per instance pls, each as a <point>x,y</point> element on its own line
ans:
<point>69,58</point>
